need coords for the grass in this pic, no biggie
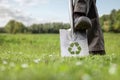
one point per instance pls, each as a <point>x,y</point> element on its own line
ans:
<point>37,57</point>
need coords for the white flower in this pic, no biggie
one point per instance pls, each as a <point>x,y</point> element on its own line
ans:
<point>37,61</point>
<point>5,62</point>
<point>24,65</point>
<point>86,77</point>
<point>78,63</point>
<point>50,55</point>
<point>113,69</point>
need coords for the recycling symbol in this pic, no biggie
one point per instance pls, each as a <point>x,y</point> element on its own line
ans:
<point>74,48</point>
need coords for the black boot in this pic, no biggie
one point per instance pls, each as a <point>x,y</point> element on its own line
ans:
<point>101,52</point>
<point>81,22</point>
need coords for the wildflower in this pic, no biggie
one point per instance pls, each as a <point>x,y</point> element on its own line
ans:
<point>113,69</point>
<point>24,65</point>
<point>86,77</point>
<point>5,62</point>
<point>50,55</point>
<point>78,63</point>
<point>37,61</point>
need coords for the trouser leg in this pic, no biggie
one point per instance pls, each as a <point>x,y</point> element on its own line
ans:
<point>95,36</point>
<point>81,6</point>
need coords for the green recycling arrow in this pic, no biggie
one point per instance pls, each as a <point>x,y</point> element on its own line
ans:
<point>72,45</point>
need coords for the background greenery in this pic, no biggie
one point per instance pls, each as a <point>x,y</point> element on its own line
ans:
<point>109,23</point>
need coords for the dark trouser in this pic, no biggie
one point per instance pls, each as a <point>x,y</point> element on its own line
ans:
<point>95,36</point>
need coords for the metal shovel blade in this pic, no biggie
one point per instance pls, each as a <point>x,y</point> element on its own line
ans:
<point>76,46</point>
<point>73,44</point>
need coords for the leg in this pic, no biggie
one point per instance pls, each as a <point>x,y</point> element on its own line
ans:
<point>81,7</point>
<point>95,35</point>
<point>81,22</point>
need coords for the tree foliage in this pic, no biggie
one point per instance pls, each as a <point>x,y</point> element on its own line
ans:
<point>111,22</point>
<point>18,27</point>
<point>14,27</point>
<point>48,27</point>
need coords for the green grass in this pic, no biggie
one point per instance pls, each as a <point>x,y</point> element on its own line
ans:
<point>37,57</point>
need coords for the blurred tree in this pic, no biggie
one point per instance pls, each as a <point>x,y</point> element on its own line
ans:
<point>111,22</point>
<point>48,27</point>
<point>2,30</point>
<point>116,27</point>
<point>15,27</point>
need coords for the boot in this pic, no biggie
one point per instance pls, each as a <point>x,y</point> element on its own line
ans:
<point>82,23</point>
<point>101,52</point>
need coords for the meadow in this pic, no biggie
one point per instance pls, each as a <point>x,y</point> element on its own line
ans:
<point>37,57</point>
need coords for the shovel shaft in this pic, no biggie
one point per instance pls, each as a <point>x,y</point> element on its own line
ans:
<point>71,8</point>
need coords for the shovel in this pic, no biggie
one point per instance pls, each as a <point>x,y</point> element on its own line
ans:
<point>73,44</point>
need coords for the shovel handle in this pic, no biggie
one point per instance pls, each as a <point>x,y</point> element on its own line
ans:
<point>71,6</point>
